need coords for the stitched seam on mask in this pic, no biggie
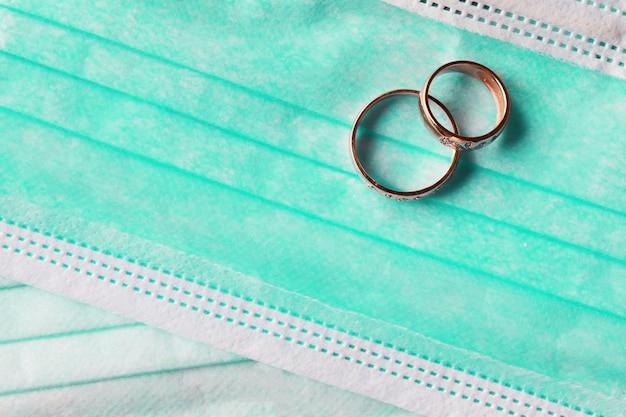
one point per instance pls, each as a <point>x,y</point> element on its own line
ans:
<point>601,6</point>
<point>126,273</point>
<point>232,320</point>
<point>522,32</point>
<point>371,235</point>
<point>259,94</point>
<point>547,27</point>
<point>368,235</point>
<point>433,4</point>
<point>571,49</point>
<point>227,291</point>
<point>295,314</point>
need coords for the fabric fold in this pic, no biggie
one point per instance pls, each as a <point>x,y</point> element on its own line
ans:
<point>188,168</point>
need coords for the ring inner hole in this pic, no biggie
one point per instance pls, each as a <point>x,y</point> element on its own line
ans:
<point>470,101</point>
<point>396,149</point>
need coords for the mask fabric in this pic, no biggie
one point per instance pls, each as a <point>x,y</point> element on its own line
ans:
<point>186,166</point>
<point>59,357</point>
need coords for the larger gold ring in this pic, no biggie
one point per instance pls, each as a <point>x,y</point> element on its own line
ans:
<point>386,191</point>
<point>495,86</point>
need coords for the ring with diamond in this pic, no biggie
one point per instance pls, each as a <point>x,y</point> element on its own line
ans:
<point>386,191</point>
<point>495,86</point>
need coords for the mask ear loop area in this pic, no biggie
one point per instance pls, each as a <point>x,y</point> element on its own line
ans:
<point>375,185</point>
<point>495,86</point>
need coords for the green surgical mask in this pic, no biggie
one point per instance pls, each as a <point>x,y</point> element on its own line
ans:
<point>62,357</point>
<point>187,166</point>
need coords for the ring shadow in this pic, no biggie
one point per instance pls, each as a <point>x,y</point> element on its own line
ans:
<point>514,132</point>
<point>465,169</point>
<point>511,137</point>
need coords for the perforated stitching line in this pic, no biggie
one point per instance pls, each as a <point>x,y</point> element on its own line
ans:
<point>283,336</point>
<point>153,281</point>
<point>552,29</point>
<point>217,288</point>
<point>601,6</point>
<point>175,288</point>
<point>230,319</point>
<point>570,48</point>
<point>123,272</point>
<point>540,25</point>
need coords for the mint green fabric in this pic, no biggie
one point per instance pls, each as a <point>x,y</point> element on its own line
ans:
<point>59,357</point>
<point>204,135</point>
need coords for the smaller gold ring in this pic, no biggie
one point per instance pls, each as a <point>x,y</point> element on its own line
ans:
<point>498,91</point>
<point>381,189</point>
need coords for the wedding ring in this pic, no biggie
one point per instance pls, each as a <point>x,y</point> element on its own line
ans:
<point>388,192</point>
<point>495,86</point>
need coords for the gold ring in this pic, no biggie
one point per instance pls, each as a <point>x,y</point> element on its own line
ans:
<point>381,189</point>
<point>498,91</point>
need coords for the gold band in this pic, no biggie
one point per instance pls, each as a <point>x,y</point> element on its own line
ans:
<point>495,86</point>
<point>381,189</point>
